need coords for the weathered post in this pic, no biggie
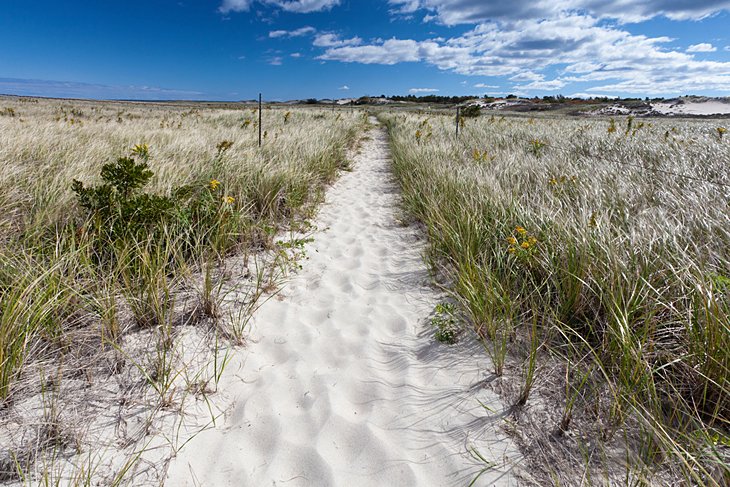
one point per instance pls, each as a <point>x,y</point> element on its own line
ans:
<point>458,119</point>
<point>260,119</point>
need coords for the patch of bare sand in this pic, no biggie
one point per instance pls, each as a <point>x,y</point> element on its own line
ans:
<point>343,382</point>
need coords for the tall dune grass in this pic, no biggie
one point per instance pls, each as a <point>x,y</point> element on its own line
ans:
<point>587,229</point>
<point>64,269</point>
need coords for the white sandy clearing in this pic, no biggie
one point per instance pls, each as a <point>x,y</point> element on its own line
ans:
<point>709,107</point>
<point>343,383</point>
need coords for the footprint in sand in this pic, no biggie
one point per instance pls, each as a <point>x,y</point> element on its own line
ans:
<point>345,385</point>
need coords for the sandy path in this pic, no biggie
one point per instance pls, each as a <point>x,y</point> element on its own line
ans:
<point>343,383</point>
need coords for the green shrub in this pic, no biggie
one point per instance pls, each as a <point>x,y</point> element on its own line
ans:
<point>471,111</point>
<point>116,208</point>
<point>445,323</point>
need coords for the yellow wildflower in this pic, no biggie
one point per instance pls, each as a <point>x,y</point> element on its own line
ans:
<point>525,245</point>
<point>521,230</point>
<point>214,183</point>
<point>511,250</point>
<point>532,240</point>
<point>512,241</point>
<point>229,200</point>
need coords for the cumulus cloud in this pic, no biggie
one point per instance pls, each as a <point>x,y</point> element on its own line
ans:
<point>414,91</point>
<point>298,6</point>
<point>452,12</point>
<point>702,47</point>
<point>582,48</point>
<point>303,31</point>
<point>344,88</point>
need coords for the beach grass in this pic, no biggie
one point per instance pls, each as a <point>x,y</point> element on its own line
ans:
<point>594,253</point>
<point>163,195</point>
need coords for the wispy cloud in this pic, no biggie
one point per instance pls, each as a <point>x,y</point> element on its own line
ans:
<point>297,6</point>
<point>333,40</point>
<point>71,89</point>
<point>302,31</point>
<point>452,12</point>
<point>344,88</point>
<point>702,47</point>
<point>414,91</point>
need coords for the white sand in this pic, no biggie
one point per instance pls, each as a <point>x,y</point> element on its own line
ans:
<point>343,383</point>
<point>708,107</point>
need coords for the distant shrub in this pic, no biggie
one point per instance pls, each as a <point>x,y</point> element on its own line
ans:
<point>471,111</point>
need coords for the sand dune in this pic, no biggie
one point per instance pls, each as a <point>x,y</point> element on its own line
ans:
<point>688,107</point>
<point>343,383</point>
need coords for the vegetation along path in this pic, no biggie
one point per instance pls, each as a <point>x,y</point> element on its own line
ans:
<point>343,383</point>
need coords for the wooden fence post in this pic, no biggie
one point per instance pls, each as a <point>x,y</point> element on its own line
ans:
<point>260,118</point>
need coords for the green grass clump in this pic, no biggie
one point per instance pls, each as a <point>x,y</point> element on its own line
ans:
<point>445,323</point>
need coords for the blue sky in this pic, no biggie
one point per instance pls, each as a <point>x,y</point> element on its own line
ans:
<point>232,49</point>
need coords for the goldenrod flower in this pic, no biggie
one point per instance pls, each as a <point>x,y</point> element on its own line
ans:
<point>214,183</point>
<point>512,241</point>
<point>521,230</point>
<point>229,200</point>
<point>525,245</point>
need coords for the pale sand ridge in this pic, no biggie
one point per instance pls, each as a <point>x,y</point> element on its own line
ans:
<point>343,383</point>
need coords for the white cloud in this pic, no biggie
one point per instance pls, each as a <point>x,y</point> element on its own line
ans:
<point>296,55</point>
<point>582,48</point>
<point>234,6</point>
<point>302,31</point>
<point>344,88</point>
<point>702,47</point>
<point>482,85</point>
<point>276,61</point>
<point>392,51</point>
<point>452,12</point>
<point>591,95</point>
<point>298,6</point>
<point>551,85</point>
<point>423,90</point>
<point>333,40</point>
<point>305,6</point>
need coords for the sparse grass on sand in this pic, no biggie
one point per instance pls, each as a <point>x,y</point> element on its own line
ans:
<point>597,279</point>
<point>97,287</point>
